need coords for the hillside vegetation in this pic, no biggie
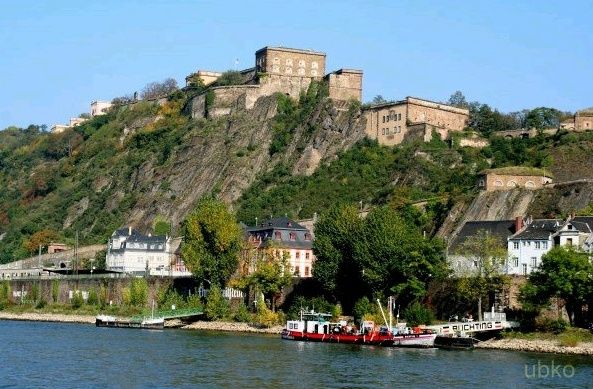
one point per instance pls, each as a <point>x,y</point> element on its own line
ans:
<point>142,162</point>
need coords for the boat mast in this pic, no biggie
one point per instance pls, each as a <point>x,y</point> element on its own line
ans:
<point>382,313</point>
<point>390,307</point>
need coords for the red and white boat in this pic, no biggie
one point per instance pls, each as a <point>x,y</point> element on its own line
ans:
<point>316,327</point>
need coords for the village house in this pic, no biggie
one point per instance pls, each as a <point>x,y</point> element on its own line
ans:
<point>283,237</point>
<point>526,241</point>
<point>501,230</point>
<point>99,107</point>
<point>413,118</point>
<point>128,251</point>
<point>513,177</point>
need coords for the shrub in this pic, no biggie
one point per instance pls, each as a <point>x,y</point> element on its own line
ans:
<point>169,298</point>
<point>138,292</point>
<point>217,307</point>
<point>34,293</point>
<point>336,312</point>
<point>264,316</point>
<point>417,314</point>
<point>41,303</point>
<point>545,324</point>
<point>194,301</point>
<point>571,339</point>
<point>93,297</point>
<point>77,300</point>
<point>55,290</point>
<point>241,314</point>
<point>5,292</point>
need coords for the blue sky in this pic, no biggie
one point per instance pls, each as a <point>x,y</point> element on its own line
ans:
<point>56,56</point>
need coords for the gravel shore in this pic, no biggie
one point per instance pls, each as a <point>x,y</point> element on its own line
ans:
<point>231,326</point>
<point>55,317</point>
<point>540,346</point>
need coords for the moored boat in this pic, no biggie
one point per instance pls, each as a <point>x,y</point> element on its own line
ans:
<point>315,327</point>
<point>113,322</point>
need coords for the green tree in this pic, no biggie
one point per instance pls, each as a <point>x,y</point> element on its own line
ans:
<point>212,242</point>
<point>271,274</point>
<point>457,99</point>
<point>334,267</point>
<point>230,77</point>
<point>217,307</point>
<point>486,257</point>
<point>543,117</point>
<point>379,256</point>
<point>138,292</point>
<point>563,273</point>
<point>395,258</point>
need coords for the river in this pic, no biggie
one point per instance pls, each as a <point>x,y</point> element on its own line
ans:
<point>58,355</point>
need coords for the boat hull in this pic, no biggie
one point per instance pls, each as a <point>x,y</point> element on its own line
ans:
<point>455,343</point>
<point>116,323</point>
<point>373,339</point>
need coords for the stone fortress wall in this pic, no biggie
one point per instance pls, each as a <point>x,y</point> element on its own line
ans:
<point>492,181</point>
<point>277,70</point>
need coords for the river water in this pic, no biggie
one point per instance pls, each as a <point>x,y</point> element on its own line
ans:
<point>57,355</point>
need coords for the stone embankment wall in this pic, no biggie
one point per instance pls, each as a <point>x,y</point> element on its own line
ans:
<point>112,287</point>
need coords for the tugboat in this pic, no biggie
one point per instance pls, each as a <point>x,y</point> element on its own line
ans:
<point>316,327</point>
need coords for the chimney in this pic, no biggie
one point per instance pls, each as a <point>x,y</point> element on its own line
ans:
<point>518,223</point>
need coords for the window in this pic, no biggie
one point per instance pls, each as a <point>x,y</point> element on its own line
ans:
<point>307,236</point>
<point>545,245</point>
<point>524,269</point>
<point>515,262</point>
<point>383,118</point>
<point>314,73</point>
<point>277,235</point>
<point>533,262</point>
<point>399,116</point>
<point>538,245</point>
<point>307,255</point>
<point>306,271</point>
<point>313,65</point>
<point>387,120</point>
<point>516,245</point>
<point>383,131</point>
<point>302,64</point>
<point>475,263</point>
<point>524,243</point>
<point>288,70</point>
<point>298,255</point>
<point>569,241</point>
<point>288,62</point>
<point>297,271</point>
<point>292,236</point>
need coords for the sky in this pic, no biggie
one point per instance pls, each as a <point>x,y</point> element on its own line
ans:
<point>57,56</point>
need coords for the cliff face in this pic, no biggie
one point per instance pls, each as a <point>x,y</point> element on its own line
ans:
<point>552,202</point>
<point>224,155</point>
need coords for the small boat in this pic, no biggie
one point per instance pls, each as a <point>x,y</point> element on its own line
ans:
<point>315,327</point>
<point>455,342</point>
<point>151,323</point>
<point>111,321</point>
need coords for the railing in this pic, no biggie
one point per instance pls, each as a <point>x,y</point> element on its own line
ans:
<point>228,293</point>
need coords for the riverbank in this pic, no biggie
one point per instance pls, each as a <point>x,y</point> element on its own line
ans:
<point>51,317</point>
<point>231,327</point>
<point>536,345</point>
<point>90,319</point>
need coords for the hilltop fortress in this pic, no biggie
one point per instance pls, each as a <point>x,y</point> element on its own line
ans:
<point>277,70</point>
<point>291,71</point>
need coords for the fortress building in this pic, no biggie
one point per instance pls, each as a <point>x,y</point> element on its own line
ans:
<point>413,118</point>
<point>277,70</point>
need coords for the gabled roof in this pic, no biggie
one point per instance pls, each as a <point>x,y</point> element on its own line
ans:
<point>501,229</point>
<point>584,219</point>
<point>277,223</point>
<point>539,229</point>
<point>147,239</point>
<point>126,231</point>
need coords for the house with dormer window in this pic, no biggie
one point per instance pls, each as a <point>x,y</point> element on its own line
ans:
<point>286,238</point>
<point>128,251</point>
<point>528,245</point>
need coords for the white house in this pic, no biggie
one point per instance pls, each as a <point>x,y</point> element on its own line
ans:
<point>131,252</point>
<point>527,246</point>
